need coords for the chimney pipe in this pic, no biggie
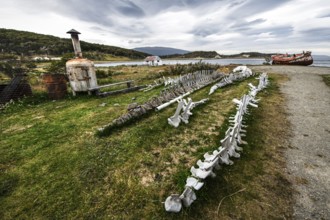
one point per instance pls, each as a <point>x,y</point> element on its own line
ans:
<point>75,42</point>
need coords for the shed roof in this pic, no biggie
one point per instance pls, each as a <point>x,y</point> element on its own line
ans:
<point>152,58</point>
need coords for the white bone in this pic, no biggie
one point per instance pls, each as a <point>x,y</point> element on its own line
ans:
<point>175,119</point>
<point>202,174</point>
<point>173,203</point>
<point>188,196</point>
<point>194,183</point>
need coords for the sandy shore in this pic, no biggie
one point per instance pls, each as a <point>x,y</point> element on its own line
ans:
<point>308,158</point>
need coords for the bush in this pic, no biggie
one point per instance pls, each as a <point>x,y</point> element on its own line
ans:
<point>59,66</point>
<point>189,68</point>
<point>7,69</point>
<point>101,73</point>
<point>31,65</point>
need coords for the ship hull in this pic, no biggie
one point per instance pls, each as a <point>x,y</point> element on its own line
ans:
<point>300,63</point>
<point>304,59</point>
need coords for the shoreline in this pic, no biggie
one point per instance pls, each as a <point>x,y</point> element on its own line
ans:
<point>223,62</point>
<point>226,58</point>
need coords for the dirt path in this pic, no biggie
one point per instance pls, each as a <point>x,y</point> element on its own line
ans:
<point>308,159</point>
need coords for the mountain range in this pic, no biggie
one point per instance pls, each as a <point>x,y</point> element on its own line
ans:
<point>161,51</point>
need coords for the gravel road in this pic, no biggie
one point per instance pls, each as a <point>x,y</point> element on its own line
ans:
<point>308,158</point>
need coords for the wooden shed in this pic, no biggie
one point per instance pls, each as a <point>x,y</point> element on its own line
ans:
<point>153,61</point>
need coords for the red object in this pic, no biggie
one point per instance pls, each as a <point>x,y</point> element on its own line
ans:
<point>303,59</point>
<point>55,85</point>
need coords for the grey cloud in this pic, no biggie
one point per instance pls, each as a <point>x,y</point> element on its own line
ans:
<point>236,3</point>
<point>316,34</point>
<point>105,7</point>
<point>204,31</point>
<point>96,28</point>
<point>257,21</point>
<point>277,31</point>
<point>235,21</point>
<point>153,6</point>
<point>324,16</point>
<point>248,24</point>
<point>228,44</point>
<point>134,30</point>
<point>252,7</point>
<point>130,9</point>
<point>183,3</point>
<point>198,2</point>
<point>280,31</point>
<point>102,12</point>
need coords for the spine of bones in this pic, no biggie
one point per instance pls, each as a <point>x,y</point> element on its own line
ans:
<point>229,148</point>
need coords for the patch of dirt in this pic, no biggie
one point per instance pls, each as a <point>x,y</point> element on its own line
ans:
<point>308,158</point>
<point>147,178</point>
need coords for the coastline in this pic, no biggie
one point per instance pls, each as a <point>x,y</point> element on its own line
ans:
<point>221,61</point>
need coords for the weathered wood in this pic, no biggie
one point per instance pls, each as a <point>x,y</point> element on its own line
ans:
<point>129,84</point>
<point>131,89</point>
<point>17,88</point>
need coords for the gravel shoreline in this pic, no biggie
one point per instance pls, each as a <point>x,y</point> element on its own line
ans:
<point>308,158</point>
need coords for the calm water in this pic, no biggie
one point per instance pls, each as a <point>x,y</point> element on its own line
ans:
<point>324,62</point>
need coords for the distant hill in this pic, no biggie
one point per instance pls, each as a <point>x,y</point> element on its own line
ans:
<point>160,51</point>
<point>248,55</point>
<point>30,44</point>
<point>195,54</point>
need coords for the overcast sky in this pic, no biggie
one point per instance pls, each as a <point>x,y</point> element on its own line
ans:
<point>226,26</point>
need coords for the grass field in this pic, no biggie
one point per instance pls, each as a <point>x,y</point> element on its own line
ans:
<point>53,166</point>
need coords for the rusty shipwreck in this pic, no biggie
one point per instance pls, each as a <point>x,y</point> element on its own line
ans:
<point>303,59</point>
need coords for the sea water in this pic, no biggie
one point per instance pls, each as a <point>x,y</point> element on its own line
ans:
<point>323,62</point>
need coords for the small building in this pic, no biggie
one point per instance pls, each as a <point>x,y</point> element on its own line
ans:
<point>153,61</point>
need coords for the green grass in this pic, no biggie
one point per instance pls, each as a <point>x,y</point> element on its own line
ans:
<point>326,79</point>
<point>53,166</point>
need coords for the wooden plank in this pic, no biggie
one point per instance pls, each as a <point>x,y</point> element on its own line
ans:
<point>129,82</point>
<point>127,90</point>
